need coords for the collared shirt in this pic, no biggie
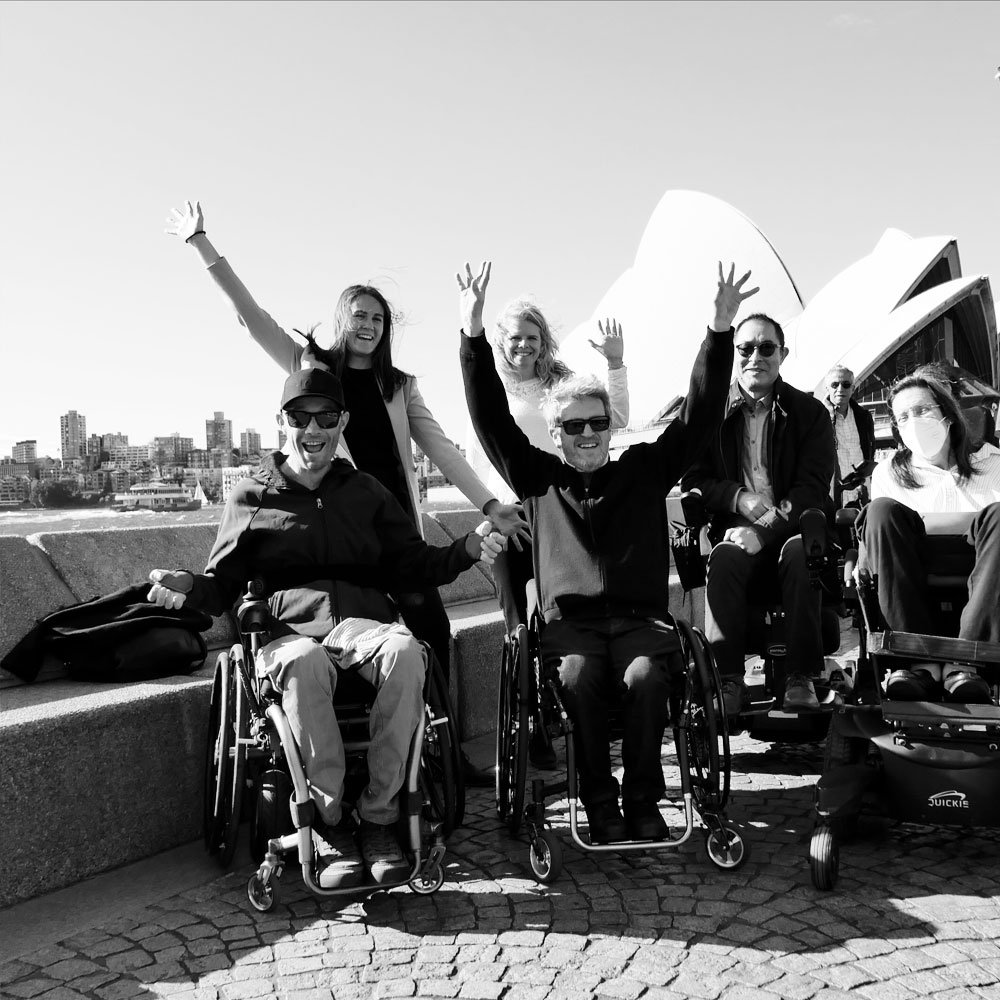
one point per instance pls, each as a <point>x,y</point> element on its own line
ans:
<point>941,491</point>
<point>848,442</point>
<point>756,431</point>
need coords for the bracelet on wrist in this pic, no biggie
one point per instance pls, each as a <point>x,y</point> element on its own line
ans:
<point>199,232</point>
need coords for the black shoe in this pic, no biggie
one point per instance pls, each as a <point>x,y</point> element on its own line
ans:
<point>606,822</point>
<point>643,820</point>
<point>541,753</point>
<point>735,696</point>
<point>911,685</point>
<point>967,687</point>
<point>473,776</point>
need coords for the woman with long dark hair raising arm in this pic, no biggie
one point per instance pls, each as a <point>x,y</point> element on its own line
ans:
<point>386,408</point>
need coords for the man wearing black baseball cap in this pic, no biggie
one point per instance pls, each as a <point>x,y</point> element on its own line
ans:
<point>302,515</point>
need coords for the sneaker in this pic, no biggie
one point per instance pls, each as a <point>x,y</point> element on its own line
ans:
<point>338,863</point>
<point>735,696</point>
<point>541,753</point>
<point>967,687</point>
<point>800,695</point>
<point>643,820</point>
<point>911,685</point>
<point>382,853</point>
<point>606,822</point>
<point>840,681</point>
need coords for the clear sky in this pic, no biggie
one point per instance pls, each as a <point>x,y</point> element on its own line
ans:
<point>336,142</point>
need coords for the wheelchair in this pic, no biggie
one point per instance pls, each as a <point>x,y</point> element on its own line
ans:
<point>253,770</point>
<point>765,648</point>
<point>929,763</point>
<point>529,697</point>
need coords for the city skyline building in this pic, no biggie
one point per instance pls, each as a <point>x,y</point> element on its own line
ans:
<point>249,443</point>
<point>219,432</point>
<point>73,435</point>
<point>25,451</point>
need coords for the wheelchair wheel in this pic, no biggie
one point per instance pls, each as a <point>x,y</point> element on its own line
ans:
<point>427,883</point>
<point>439,764</point>
<point>271,815</point>
<point>841,750</point>
<point>727,849</point>
<point>225,770</point>
<point>545,857</point>
<point>512,729</point>
<point>707,735</point>
<point>824,857</point>
<point>262,895</point>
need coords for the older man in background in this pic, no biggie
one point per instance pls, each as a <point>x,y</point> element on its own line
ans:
<point>853,433</point>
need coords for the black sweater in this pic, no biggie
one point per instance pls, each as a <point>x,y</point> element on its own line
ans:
<point>600,549</point>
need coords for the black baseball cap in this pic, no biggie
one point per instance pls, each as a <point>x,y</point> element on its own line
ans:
<point>312,382</point>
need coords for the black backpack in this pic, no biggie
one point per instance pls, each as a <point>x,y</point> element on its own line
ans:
<point>118,637</point>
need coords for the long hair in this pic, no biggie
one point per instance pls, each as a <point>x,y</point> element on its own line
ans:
<point>930,377</point>
<point>548,367</point>
<point>387,375</point>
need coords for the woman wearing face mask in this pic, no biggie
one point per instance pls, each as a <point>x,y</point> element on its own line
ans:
<point>934,471</point>
<point>386,410</point>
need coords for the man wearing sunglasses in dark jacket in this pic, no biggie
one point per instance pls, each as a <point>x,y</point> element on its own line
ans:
<point>773,459</point>
<point>329,543</point>
<point>600,547</point>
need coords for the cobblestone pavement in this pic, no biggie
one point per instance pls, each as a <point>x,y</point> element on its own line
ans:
<point>916,913</point>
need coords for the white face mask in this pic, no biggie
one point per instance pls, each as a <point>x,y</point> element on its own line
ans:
<point>925,436</point>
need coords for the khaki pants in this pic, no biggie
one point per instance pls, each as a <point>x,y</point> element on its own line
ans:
<point>305,675</point>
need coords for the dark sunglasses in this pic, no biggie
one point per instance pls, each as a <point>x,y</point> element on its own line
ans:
<point>597,424</point>
<point>765,350</point>
<point>841,385</point>
<point>325,419</point>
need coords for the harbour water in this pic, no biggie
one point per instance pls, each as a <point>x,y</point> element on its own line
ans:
<point>30,522</point>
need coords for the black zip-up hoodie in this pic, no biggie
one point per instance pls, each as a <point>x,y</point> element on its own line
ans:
<point>601,549</point>
<point>324,554</point>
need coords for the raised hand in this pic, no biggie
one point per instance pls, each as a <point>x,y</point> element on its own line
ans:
<point>186,222</point>
<point>472,298</point>
<point>610,342</point>
<point>729,298</point>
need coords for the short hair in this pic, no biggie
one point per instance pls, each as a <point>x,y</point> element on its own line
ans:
<point>840,368</point>
<point>930,377</point>
<point>569,390</point>
<point>548,367</point>
<point>778,332</point>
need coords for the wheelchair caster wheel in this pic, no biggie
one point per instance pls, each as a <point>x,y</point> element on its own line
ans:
<point>727,849</point>
<point>262,895</point>
<point>824,857</point>
<point>428,882</point>
<point>545,857</point>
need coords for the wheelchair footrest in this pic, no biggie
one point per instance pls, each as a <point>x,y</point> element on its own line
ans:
<point>940,714</point>
<point>933,647</point>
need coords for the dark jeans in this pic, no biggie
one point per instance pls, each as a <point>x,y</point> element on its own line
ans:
<point>424,615</point>
<point>896,548</point>
<point>736,581</point>
<point>512,571</point>
<point>597,661</point>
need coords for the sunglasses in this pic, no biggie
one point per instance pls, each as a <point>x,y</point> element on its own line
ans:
<point>597,424</point>
<point>765,350</point>
<point>841,385</point>
<point>325,419</point>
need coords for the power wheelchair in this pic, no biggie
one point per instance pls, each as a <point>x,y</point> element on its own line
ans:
<point>253,770</point>
<point>529,697</point>
<point>926,762</point>
<point>766,652</point>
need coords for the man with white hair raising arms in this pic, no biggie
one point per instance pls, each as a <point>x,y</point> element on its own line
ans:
<point>600,546</point>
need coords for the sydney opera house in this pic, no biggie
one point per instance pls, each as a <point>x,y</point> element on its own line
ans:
<point>904,304</point>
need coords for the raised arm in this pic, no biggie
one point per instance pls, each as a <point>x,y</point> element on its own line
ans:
<point>189,224</point>
<point>610,344</point>
<point>521,464</point>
